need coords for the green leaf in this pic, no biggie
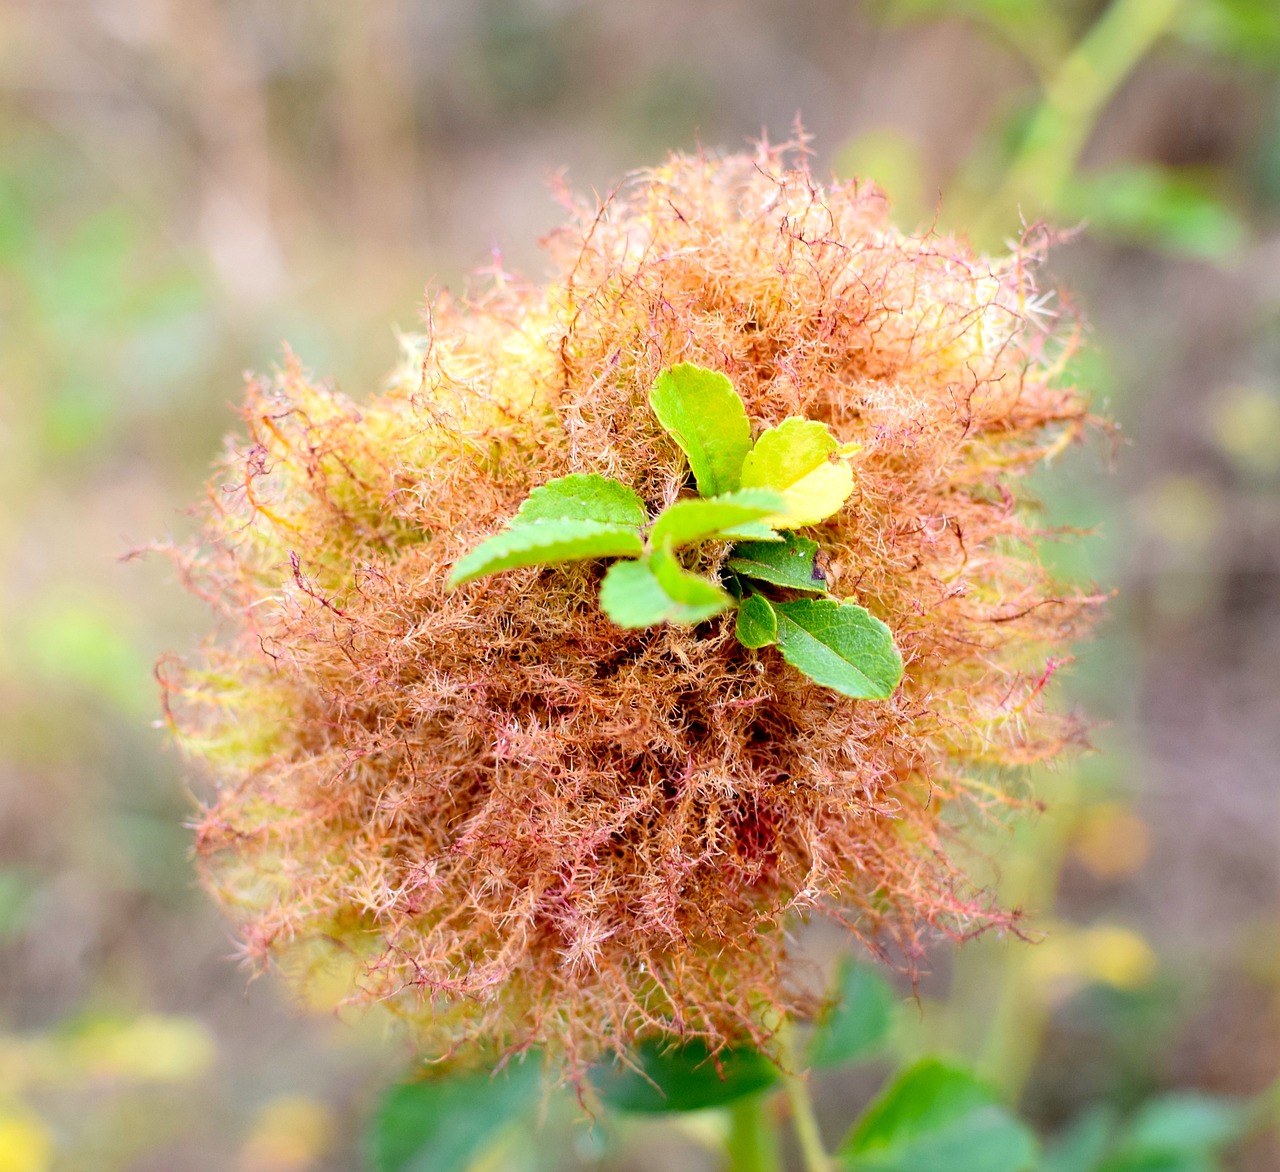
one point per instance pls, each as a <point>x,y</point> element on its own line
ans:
<point>936,1117</point>
<point>687,521</point>
<point>794,459</point>
<point>704,415</point>
<point>857,1024</point>
<point>840,646</point>
<point>792,563</point>
<point>757,625</point>
<point>658,590</point>
<point>1082,1144</point>
<point>442,1124</point>
<point>1180,1162</point>
<point>537,543</point>
<point>752,531</point>
<point>583,496</point>
<point>1162,206</point>
<point>699,598</point>
<point>1248,30</point>
<point>633,597</point>
<point>682,1077</point>
<point>1177,1131</point>
<point>1186,1122</point>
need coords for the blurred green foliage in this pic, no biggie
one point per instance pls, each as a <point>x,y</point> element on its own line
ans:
<point>439,1124</point>
<point>933,1115</point>
<point>936,1117</point>
<point>665,1076</point>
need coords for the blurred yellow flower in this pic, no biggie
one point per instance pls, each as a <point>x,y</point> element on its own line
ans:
<point>1111,841</point>
<point>291,1132</point>
<point>26,1144</point>
<point>151,1048</point>
<point>148,1049</point>
<point>1105,954</point>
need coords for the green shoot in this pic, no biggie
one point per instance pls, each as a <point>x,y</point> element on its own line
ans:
<point>657,590</point>
<point>795,474</point>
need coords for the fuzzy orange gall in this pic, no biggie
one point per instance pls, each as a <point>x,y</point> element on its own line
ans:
<point>522,825</point>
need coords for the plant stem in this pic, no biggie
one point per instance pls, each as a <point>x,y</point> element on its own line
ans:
<point>803,1119</point>
<point>1019,1016</point>
<point>805,1124</point>
<point>1074,99</point>
<point>1264,1111</point>
<point>753,1140</point>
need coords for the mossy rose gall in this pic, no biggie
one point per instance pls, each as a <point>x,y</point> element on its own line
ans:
<point>520,821</point>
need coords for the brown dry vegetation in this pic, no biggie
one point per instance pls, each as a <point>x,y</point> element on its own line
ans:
<point>528,826</point>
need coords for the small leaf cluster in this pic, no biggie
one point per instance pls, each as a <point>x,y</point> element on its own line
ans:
<point>751,494</point>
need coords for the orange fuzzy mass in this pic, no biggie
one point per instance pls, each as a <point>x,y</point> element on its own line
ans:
<point>525,825</point>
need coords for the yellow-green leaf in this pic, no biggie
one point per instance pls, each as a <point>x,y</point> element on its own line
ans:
<point>794,459</point>
<point>704,415</point>
<point>695,519</point>
<point>582,496</point>
<point>537,543</point>
<point>697,598</point>
<point>658,590</point>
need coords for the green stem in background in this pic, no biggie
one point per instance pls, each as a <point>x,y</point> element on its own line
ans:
<point>1075,96</point>
<point>752,1143</point>
<point>1264,1110</point>
<point>805,1123</point>
<point>804,1120</point>
<point>1041,40</point>
<point>1074,99</point>
<point>1019,1016</point>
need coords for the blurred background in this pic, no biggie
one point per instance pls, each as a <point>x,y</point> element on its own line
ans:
<point>186,185</point>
